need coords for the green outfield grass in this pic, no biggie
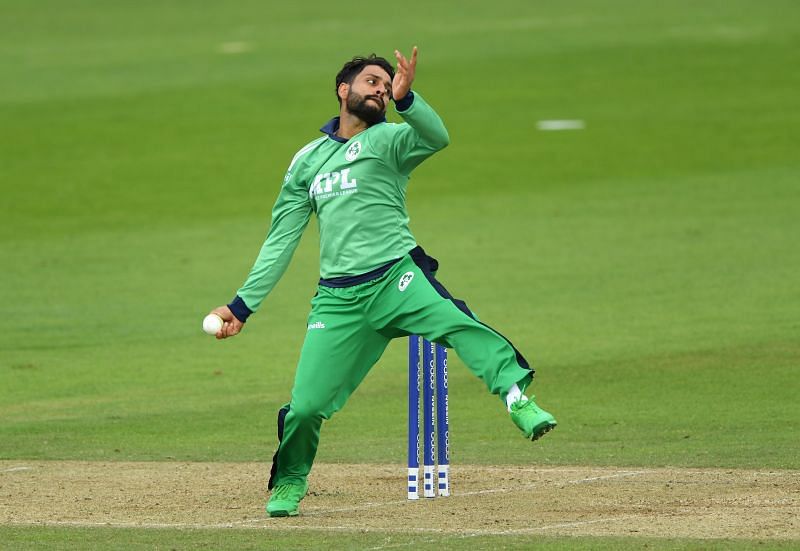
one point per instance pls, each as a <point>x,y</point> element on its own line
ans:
<point>647,264</point>
<point>135,539</point>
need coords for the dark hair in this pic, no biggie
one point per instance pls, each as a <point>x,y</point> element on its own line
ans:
<point>356,65</point>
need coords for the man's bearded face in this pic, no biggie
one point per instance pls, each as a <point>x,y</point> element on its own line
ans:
<point>370,109</point>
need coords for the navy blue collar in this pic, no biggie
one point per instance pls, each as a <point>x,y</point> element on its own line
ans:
<point>332,126</point>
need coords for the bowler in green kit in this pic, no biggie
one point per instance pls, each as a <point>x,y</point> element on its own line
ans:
<point>376,282</point>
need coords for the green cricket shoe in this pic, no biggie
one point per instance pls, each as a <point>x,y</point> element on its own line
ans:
<point>532,420</point>
<point>285,500</point>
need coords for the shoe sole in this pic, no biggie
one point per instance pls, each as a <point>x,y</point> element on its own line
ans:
<point>541,430</point>
<point>283,513</point>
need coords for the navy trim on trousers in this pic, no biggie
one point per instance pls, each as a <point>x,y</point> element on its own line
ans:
<point>281,420</point>
<point>429,267</point>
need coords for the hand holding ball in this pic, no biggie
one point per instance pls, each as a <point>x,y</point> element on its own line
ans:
<point>212,323</point>
<point>221,323</point>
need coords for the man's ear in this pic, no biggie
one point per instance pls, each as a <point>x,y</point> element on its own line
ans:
<point>343,90</point>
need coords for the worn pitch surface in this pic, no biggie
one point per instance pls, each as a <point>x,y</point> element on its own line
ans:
<point>486,500</point>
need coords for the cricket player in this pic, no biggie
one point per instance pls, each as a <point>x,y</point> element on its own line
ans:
<point>376,282</point>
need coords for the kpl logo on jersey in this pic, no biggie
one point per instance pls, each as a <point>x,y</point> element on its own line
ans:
<point>336,184</point>
<point>332,184</point>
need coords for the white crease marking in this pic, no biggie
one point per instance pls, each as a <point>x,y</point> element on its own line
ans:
<point>16,469</point>
<point>511,531</point>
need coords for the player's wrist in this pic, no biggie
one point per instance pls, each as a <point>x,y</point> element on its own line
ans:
<point>404,103</point>
<point>239,309</point>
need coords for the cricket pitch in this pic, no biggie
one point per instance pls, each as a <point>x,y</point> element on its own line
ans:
<point>485,500</point>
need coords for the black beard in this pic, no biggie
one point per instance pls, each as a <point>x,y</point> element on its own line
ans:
<point>364,108</point>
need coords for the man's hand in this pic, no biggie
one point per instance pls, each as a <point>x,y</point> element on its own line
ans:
<point>404,75</point>
<point>230,325</point>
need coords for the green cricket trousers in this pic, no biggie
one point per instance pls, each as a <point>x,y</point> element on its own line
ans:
<point>348,330</point>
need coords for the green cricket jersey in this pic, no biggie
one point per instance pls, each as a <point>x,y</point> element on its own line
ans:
<point>357,189</point>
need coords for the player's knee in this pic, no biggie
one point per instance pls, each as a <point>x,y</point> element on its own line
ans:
<point>310,410</point>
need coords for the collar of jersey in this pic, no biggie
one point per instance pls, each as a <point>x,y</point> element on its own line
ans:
<point>332,126</point>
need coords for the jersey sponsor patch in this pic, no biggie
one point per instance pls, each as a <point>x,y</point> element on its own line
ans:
<point>332,184</point>
<point>353,151</point>
<point>405,279</point>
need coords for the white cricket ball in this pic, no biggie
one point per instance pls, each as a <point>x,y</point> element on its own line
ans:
<point>212,323</point>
